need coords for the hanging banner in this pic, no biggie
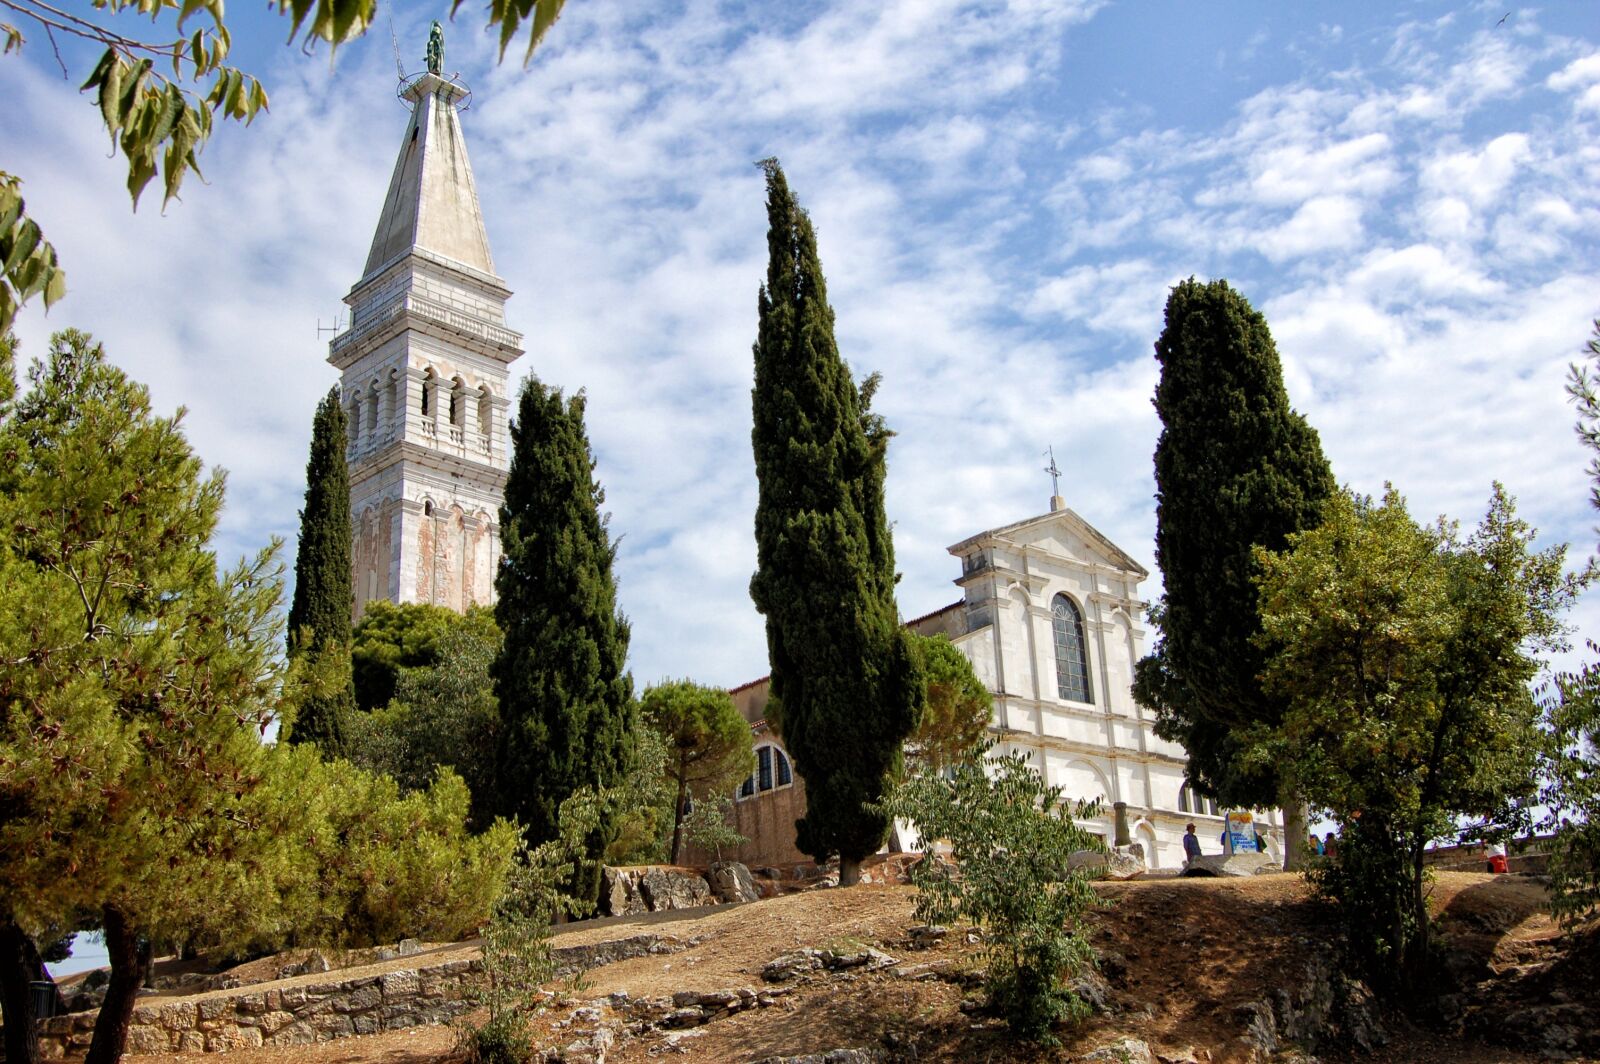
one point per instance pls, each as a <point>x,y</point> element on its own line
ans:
<point>1241,833</point>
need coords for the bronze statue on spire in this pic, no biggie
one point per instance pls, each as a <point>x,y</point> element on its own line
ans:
<point>436,49</point>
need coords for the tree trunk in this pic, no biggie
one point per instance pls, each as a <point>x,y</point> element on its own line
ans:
<point>128,962</point>
<point>849,871</point>
<point>1296,833</point>
<point>677,815</point>
<point>16,996</point>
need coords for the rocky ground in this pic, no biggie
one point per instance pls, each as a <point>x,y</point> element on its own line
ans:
<point>1192,970</point>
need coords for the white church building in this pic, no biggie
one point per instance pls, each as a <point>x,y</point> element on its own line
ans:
<point>1051,619</point>
<point>1052,622</point>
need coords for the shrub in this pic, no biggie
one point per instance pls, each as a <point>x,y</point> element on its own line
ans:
<point>1011,837</point>
<point>516,942</point>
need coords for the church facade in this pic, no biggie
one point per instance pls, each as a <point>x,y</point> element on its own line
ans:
<point>425,366</point>
<point>1051,619</point>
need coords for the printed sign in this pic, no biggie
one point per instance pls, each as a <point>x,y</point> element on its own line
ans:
<point>1241,833</point>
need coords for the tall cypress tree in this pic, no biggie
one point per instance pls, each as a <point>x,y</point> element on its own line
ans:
<point>844,677</point>
<point>566,700</point>
<point>319,615</point>
<point>1235,468</point>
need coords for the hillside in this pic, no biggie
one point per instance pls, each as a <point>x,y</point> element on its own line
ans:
<point>1195,969</point>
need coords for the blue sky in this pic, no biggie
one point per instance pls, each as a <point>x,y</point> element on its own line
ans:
<point>1004,192</point>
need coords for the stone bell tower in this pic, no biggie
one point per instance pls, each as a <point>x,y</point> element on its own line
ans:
<point>426,366</point>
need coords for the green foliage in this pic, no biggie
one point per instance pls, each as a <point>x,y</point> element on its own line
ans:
<point>319,615</point>
<point>160,124</point>
<point>955,711</point>
<point>566,700</point>
<point>136,681</point>
<point>1571,793</point>
<point>707,826</point>
<point>1403,656</point>
<point>708,743</point>
<point>394,636</point>
<point>510,14</point>
<point>842,668</point>
<point>1011,838</point>
<point>135,677</point>
<point>27,262</point>
<point>1235,469</point>
<point>644,804</point>
<point>340,857</point>
<point>443,716</point>
<point>517,957</point>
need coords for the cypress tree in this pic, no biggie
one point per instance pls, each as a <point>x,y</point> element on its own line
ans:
<point>845,679</point>
<point>319,614</point>
<point>1236,468</point>
<point>566,700</point>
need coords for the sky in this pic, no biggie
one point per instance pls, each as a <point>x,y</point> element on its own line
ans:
<point>1004,192</point>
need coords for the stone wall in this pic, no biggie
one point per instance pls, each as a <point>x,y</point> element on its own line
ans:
<point>286,1016</point>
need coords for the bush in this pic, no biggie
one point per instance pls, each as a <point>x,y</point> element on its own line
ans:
<point>358,863</point>
<point>516,942</point>
<point>1011,837</point>
<point>504,1039</point>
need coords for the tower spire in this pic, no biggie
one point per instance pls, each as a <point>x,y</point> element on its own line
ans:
<point>433,201</point>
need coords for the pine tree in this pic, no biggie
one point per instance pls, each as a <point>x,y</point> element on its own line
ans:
<point>137,679</point>
<point>319,615</point>
<point>1236,468</point>
<point>845,679</point>
<point>709,744</point>
<point>566,700</point>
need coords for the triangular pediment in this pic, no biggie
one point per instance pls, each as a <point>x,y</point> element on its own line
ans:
<point>1061,533</point>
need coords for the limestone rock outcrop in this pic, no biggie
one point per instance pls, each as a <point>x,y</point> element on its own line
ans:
<point>1231,864</point>
<point>731,881</point>
<point>628,891</point>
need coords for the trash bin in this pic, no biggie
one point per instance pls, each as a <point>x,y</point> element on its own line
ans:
<point>44,998</point>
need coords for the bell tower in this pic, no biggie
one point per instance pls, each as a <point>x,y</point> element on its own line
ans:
<point>425,367</point>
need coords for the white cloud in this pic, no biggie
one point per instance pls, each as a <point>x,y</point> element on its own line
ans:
<point>1581,77</point>
<point>1323,223</point>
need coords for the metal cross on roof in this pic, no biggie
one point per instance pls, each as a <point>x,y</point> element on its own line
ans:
<point>1055,474</point>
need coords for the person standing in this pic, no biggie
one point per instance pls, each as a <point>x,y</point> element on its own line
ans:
<point>1191,845</point>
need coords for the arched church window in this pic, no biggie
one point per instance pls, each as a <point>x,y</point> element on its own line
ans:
<point>458,402</point>
<point>372,408</point>
<point>772,772</point>
<point>355,419</point>
<point>427,508</point>
<point>485,412</point>
<point>1072,659</point>
<point>429,384</point>
<point>1183,798</point>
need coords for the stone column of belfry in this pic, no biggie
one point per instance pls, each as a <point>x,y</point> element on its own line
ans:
<point>427,310</point>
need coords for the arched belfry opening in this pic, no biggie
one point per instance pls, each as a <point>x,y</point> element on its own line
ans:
<point>432,348</point>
